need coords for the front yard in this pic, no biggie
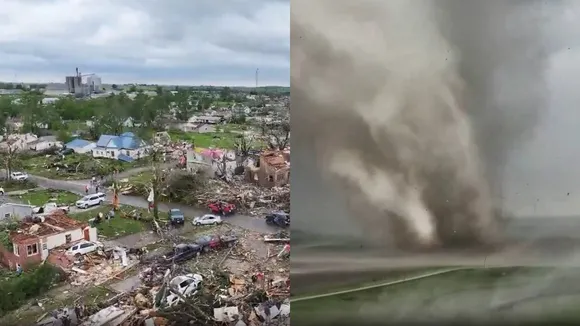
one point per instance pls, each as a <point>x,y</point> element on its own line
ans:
<point>118,226</point>
<point>10,186</point>
<point>224,140</point>
<point>76,166</point>
<point>39,197</point>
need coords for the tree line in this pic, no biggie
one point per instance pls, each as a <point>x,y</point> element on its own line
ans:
<point>108,114</point>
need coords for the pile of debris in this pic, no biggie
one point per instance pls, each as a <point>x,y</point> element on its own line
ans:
<point>249,198</point>
<point>216,298</point>
<point>97,267</point>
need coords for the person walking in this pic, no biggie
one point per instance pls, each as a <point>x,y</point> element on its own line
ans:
<point>97,188</point>
<point>87,189</point>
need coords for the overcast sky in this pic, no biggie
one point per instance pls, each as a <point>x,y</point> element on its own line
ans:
<point>146,41</point>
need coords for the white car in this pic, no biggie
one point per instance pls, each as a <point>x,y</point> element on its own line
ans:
<point>18,176</point>
<point>186,285</point>
<point>90,200</point>
<point>83,247</point>
<point>207,219</point>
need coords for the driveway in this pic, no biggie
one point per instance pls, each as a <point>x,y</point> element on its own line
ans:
<point>76,186</point>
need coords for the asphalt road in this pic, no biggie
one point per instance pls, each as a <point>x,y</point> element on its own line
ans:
<point>78,186</point>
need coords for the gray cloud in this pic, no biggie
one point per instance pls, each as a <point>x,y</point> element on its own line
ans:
<point>191,35</point>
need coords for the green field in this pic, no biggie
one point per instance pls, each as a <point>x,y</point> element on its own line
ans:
<point>42,196</point>
<point>118,226</point>
<point>538,294</point>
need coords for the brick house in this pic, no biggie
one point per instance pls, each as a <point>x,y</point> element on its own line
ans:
<point>33,240</point>
<point>272,170</point>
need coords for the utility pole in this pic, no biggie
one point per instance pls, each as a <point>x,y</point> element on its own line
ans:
<point>156,152</point>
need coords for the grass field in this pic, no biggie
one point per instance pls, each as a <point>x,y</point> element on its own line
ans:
<point>223,140</point>
<point>39,197</point>
<point>511,293</point>
<point>118,226</point>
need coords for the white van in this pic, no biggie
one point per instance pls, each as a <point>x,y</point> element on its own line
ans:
<point>90,200</point>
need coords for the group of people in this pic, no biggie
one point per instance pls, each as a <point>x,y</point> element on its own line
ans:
<point>95,184</point>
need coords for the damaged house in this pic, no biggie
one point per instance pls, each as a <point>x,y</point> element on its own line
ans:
<point>272,170</point>
<point>31,242</point>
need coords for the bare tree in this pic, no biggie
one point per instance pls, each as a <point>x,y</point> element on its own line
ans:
<point>222,167</point>
<point>276,134</point>
<point>244,145</point>
<point>10,159</point>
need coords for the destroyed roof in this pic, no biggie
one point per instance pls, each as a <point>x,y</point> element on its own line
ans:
<point>275,159</point>
<point>53,224</point>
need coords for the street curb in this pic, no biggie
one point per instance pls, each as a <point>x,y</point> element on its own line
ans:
<point>385,284</point>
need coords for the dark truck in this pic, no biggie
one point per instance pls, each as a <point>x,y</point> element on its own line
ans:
<point>183,252</point>
<point>281,219</point>
<point>176,216</point>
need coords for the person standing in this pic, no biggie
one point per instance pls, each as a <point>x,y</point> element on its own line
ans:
<point>97,188</point>
<point>87,189</point>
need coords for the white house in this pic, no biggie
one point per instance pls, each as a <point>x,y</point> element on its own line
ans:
<point>125,147</point>
<point>81,146</point>
<point>205,128</point>
<point>18,141</point>
<point>44,142</point>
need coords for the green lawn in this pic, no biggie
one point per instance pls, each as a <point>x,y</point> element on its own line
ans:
<point>17,185</point>
<point>478,293</point>
<point>41,196</point>
<point>118,226</point>
<point>223,140</point>
<point>143,177</point>
<point>84,165</point>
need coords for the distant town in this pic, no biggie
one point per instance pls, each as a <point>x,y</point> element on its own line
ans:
<point>109,184</point>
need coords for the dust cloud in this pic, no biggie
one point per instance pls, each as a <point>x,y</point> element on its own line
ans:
<point>413,108</point>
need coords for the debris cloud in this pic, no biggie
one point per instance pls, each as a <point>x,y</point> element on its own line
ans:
<point>414,107</point>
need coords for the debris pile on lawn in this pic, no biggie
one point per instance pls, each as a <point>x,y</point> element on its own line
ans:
<point>199,190</point>
<point>249,198</point>
<point>97,267</point>
<point>226,279</point>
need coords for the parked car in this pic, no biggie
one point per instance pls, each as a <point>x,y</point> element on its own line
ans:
<point>186,285</point>
<point>83,247</point>
<point>183,252</point>
<point>50,208</point>
<point>90,200</point>
<point>212,242</point>
<point>18,176</point>
<point>281,219</point>
<point>207,219</point>
<point>176,216</point>
<point>222,208</point>
<point>65,151</point>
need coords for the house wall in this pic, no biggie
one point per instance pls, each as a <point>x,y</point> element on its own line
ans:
<point>8,211</point>
<point>268,176</point>
<point>113,153</point>
<point>19,255</point>
<point>206,128</point>
<point>45,145</point>
<point>86,149</point>
<point>57,240</point>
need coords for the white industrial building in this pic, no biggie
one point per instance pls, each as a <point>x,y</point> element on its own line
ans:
<point>94,83</point>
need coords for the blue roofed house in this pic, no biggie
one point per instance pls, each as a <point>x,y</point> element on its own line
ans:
<point>125,147</point>
<point>81,146</point>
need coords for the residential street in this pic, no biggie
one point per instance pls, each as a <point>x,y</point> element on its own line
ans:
<point>76,186</point>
